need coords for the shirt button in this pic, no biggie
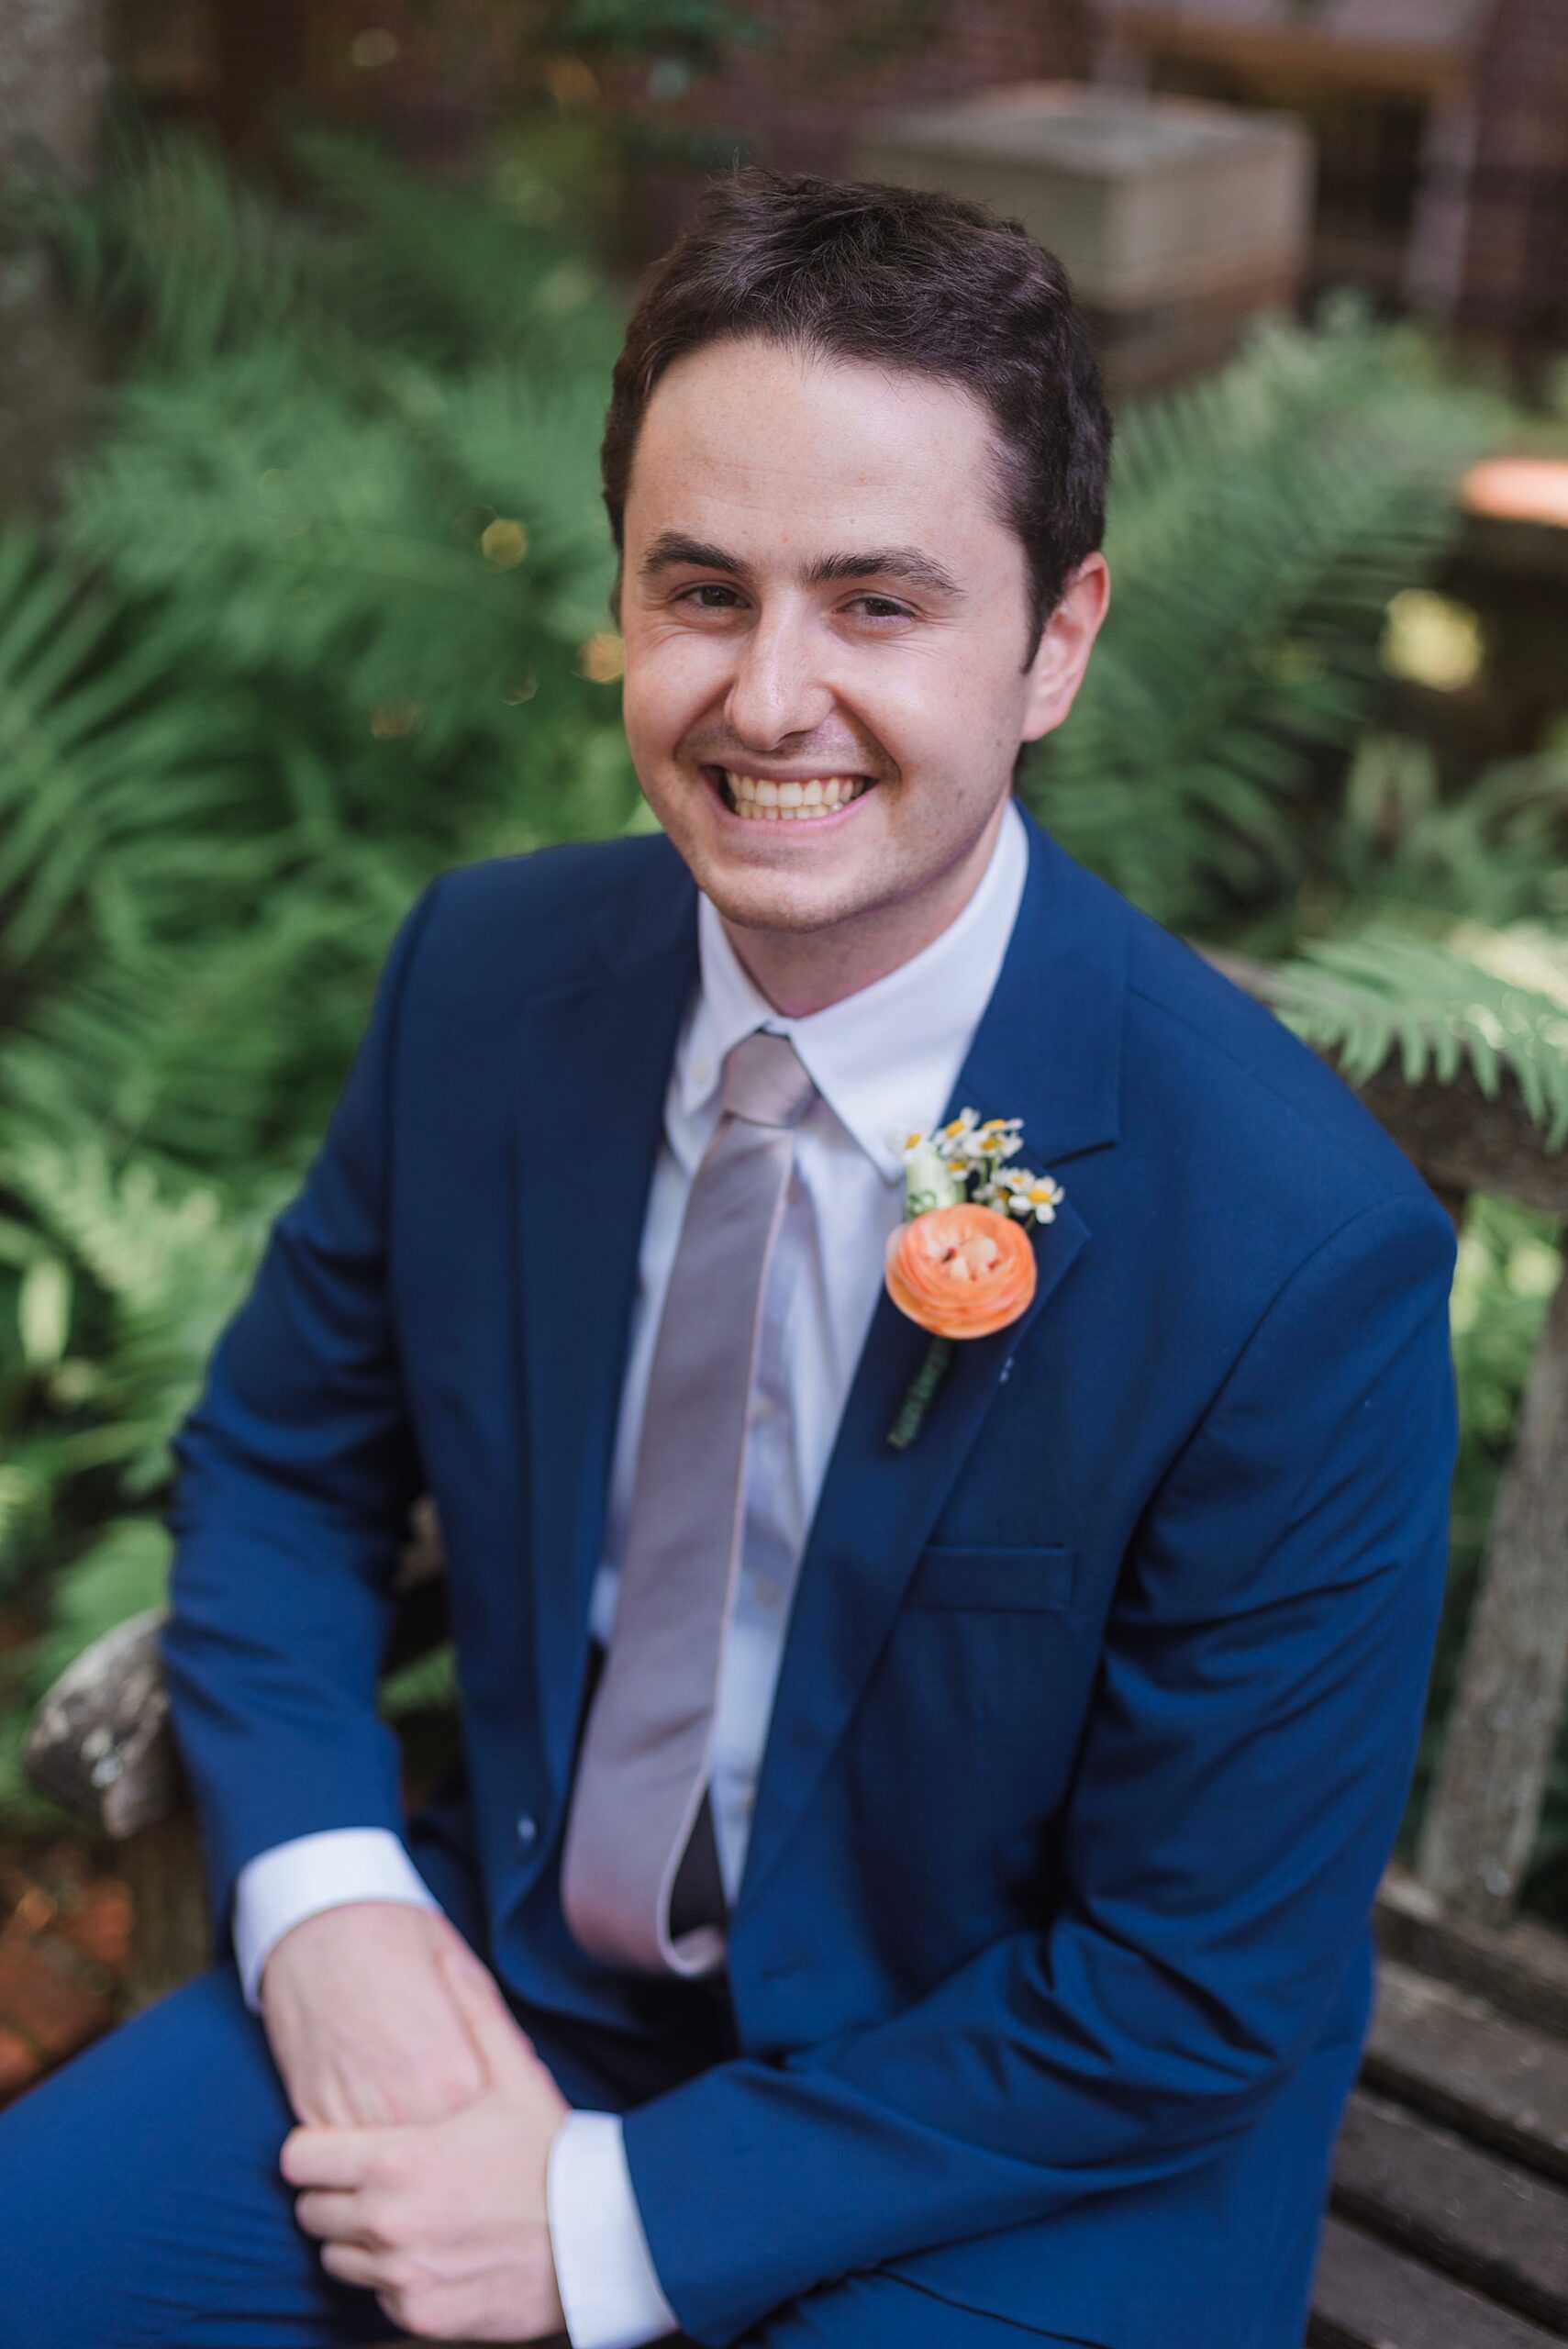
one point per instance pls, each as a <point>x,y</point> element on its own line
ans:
<point>528,1830</point>
<point>701,1071</point>
<point>762,1407</point>
<point>768,1588</point>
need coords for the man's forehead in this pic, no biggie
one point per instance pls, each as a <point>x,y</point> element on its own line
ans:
<point>746,421</point>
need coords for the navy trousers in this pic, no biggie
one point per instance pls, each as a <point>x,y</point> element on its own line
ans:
<point>141,2208</point>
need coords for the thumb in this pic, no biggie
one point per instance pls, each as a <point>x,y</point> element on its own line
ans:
<point>505,2049</point>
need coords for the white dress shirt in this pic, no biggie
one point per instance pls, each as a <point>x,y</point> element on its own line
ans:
<point>884,1061</point>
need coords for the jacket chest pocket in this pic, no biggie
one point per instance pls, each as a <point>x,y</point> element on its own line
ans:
<point>1035,1578</point>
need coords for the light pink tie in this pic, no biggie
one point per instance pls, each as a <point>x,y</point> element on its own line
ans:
<point>643,1765</point>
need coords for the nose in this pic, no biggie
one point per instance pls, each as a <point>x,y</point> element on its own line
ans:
<point>776,689</point>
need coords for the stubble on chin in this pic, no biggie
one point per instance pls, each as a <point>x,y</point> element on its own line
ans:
<point>792,904</point>
<point>766,895</point>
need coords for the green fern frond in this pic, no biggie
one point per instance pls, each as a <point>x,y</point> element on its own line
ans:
<point>364,260</point>
<point>174,240</point>
<point>95,750</point>
<point>312,540</point>
<point>1437,1005</point>
<point>1497,850</point>
<point>1259,521</point>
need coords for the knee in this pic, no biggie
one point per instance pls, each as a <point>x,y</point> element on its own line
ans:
<point>128,2172</point>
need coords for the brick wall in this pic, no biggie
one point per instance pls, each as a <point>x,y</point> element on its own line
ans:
<point>441,81</point>
<point>797,103</point>
<point>1445,188</point>
<point>1514,284</point>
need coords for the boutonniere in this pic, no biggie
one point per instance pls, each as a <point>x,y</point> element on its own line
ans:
<point>961,1264</point>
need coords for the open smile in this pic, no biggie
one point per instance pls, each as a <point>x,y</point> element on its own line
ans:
<point>814,802</point>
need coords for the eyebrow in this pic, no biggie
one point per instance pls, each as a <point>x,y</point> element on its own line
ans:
<point>909,563</point>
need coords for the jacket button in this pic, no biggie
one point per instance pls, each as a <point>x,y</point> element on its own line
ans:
<point>528,1830</point>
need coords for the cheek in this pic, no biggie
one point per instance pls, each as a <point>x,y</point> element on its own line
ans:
<point>905,710</point>
<point>944,702</point>
<point>644,694</point>
<point>665,689</point>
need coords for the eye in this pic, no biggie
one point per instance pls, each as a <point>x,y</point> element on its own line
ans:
<point>880,608</point>
<point>706,587</point>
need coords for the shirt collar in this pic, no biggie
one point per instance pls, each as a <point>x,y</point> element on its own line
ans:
<point>930,1005</point>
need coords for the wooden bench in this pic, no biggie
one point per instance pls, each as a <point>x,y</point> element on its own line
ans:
<point>1447,2224</point>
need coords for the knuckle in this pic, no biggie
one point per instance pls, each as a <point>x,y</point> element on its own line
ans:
<point>380,2223</point>
<point>422,2314</point>
<point>307,2210</point>
<point>453,2086</point>
<point>443,2087</point>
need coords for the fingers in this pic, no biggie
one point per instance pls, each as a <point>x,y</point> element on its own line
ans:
<point>333,2216</point>
<point>353,2263</point>
<point>506,2050</point>
<point>403,2287</point>
<point>331,2157</point>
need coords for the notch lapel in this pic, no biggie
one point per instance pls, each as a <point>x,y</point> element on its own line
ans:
<point>1046,1049</point>
<point>594,1061</point>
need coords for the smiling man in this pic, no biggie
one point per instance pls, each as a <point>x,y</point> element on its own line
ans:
<point>896,1893</point>
<point>818,550</point>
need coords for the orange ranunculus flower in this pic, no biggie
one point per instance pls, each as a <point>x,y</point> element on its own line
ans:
<point>961,1271</point>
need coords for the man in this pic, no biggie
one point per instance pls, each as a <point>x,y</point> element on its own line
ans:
<point>897,1893</point>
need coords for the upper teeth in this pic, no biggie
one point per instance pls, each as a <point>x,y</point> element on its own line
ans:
<point>787,803</point>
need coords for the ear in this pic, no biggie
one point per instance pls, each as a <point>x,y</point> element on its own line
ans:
<point>1066,641</point>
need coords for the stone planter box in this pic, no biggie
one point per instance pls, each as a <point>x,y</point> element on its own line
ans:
<point>1175,218</point>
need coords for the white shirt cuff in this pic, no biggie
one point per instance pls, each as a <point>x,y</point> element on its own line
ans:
<point>610,2292</point>
<point>280,1888</point>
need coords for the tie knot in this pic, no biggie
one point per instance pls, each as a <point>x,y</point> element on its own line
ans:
<point>765,1081</point>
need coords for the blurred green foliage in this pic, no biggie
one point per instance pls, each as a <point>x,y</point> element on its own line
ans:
<point>325,611</point>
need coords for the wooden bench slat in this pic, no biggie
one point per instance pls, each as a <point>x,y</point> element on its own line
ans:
<point>1369,2295</point>
<point>1452,2055</point>
<point>1502,2229</point>
<point>1501,1732</point>
<point>1521,1966</point>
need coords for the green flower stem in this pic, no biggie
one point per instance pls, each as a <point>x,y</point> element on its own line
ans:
<point>922,1387</point>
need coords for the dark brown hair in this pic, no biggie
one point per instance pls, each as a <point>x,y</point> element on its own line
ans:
<point>901,276</point>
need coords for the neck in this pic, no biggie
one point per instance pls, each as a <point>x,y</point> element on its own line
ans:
<point>801,971</point>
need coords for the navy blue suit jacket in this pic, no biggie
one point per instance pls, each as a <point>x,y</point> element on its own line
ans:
<point>1099,1705</point>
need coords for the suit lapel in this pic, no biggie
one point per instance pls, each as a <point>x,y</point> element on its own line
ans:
<point>1047,1050</point>
<point>595,1061</point>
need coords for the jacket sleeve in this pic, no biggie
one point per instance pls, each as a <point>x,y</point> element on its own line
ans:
<point>1242,1781</point>
<point>295,1471</point>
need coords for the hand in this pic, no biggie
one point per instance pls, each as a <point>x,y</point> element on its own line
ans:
<point>361,2022</point>
<point>447,2224</point>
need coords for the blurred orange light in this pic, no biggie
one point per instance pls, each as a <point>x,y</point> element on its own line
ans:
<point>1519,489</point>
<point>603,657</point>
